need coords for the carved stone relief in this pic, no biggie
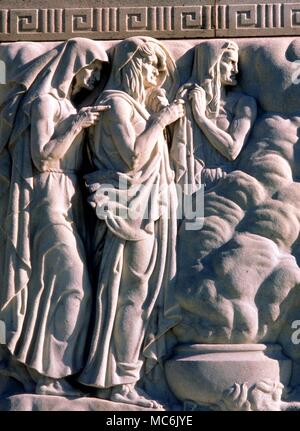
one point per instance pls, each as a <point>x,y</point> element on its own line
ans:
<point>168,19</point>
<point>149,218</point>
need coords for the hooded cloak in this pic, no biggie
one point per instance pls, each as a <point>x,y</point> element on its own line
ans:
<point>191,152</point>
<point>45,263</point>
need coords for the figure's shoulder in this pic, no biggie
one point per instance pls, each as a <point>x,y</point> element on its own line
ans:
<point>119,104</point>
<point>116,97</point>
<point>45,104</point>
<point>45,98</point>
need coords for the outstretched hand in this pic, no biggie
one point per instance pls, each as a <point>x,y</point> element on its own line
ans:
<point>89,115</point>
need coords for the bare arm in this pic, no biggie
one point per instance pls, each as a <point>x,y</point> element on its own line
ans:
<point>136,150</point>
<point>230,143</point>
<point>46,144</point>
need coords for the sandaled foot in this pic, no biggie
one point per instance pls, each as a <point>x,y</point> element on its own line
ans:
<point>129,394</point>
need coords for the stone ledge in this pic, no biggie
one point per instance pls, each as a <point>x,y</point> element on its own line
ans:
<point>32,402</point>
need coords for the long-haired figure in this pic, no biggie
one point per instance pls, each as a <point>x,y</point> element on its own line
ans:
<point>136,233</point>
<point>218,120</point>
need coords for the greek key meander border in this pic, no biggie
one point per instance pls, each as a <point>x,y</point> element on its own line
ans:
<point>190,21</point>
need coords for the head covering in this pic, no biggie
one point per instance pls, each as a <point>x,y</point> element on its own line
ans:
<point>18,82</point>
<point>57,75</point>
<point>206,70</point>
<point>125,51</point>
<point>45,76</point>
<point>190,150</point>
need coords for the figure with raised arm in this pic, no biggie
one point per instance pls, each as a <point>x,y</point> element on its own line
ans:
<point>136,251</point>
<point>46,299</point>
<point>218,120</point>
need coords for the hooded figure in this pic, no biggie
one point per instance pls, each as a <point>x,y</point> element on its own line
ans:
<point>135,200</point>
<point>203,150</point>
<point>45,301</point>
<point>18,80</point>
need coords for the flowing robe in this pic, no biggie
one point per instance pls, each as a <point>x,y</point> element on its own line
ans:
<point>47,315</point>
<point>135,255</point>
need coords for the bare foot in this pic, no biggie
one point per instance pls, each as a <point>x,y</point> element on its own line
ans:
<point>59,387</point>
<point>130,394</point>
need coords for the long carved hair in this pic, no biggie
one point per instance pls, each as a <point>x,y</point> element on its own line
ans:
<point>206,71</point>
<point>128,58</point>
<point>131,73</point>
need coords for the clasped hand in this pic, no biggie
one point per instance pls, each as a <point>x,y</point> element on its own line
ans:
<point>196,95</point>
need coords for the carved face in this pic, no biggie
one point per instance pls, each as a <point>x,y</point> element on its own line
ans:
<point>229,67</point>
<point>150,71</point>
<point>89,76</point>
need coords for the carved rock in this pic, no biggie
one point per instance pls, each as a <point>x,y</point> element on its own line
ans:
<point>149,206</point>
